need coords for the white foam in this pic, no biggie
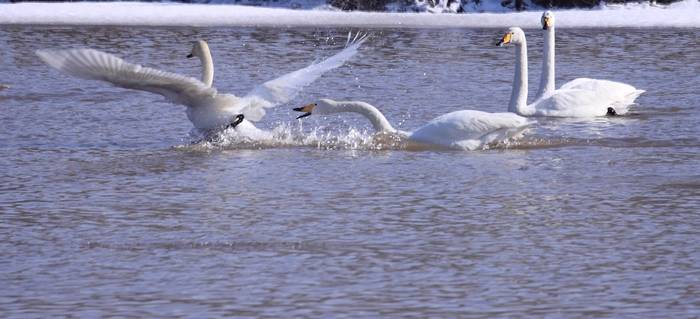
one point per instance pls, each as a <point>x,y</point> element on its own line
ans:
<point>681,14</point>
<point>285,135</point>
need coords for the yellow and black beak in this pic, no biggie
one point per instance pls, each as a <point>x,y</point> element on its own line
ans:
<point>546,23</point>
<point>505,39</point>
<point>308,108</point>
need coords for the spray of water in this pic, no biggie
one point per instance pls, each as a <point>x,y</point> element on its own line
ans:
<point>285,135</point>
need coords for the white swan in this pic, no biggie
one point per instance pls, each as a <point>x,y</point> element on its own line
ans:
<point>207,109</point>
<point>619,95</point>
<point>569,102</point>
<point>463,130</point>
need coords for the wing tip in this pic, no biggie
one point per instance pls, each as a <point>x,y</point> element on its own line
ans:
<point>44,54</point>
<point>357,40</point>
<point>52,58</point>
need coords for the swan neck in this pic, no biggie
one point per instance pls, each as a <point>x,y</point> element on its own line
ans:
<point>207,67</point>
<point>379,122</point>
<point>518,98</point>
<point>547,78</point>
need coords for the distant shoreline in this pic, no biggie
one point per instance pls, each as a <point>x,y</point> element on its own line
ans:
<point>678,15</point>
<point>433,6</point>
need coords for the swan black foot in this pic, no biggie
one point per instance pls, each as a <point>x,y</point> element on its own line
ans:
<point>213,136</point>
<point>239,118</point>
<point>611,112</point>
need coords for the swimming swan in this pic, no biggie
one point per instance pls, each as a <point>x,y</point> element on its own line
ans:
<point>570,102</point>
<point>207,109</point>
<point>463,130</point>
<point>618,95</point>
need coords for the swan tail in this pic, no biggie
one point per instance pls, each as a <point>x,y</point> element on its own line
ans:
<point>634,95</point>
<point>622,107</point>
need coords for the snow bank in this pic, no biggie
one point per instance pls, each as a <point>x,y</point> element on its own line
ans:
<point>681,14</point>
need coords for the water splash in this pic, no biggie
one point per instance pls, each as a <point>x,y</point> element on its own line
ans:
<point>285,135</point>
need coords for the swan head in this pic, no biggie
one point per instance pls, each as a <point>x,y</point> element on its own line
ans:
<point>322,106</point>
<point>199,49</point>
<point>547,20</point>
<point>514,35</point>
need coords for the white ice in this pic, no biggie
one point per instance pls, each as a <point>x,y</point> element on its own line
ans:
<point>685,14</point>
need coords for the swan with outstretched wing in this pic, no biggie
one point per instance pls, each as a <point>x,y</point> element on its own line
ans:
<point>207,109</point>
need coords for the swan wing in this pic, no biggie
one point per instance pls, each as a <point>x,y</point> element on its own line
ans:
<point>597,85</point>
<point>286,87</point>
<point>573,103</point>
<point>619,95</point>
<point>469,129</point>
<point>96,65</point>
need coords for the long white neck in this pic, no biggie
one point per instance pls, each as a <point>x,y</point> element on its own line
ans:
<point>518,98</point>
<point>207,67</point>
<point>379,122</point>
<point>547,77</point>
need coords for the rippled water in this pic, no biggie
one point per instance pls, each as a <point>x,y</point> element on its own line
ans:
<point>108,210</point>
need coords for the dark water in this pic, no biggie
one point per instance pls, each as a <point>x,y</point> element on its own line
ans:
<point>106,210</point>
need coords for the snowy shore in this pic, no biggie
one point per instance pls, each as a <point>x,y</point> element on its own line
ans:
<point>681,14</point>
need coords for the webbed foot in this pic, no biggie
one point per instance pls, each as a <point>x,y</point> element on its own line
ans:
<point>239,118</point>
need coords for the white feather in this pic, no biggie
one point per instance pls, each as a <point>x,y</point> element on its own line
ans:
<point>286,87</point>
<point>579,98</point>
<point>463,130</point>
<point>564,101</point>
<point>95,65</point>
<point>470,129</point>
<point>206,109</point>
<point>618,95</point>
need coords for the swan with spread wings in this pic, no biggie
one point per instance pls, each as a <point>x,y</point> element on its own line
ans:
<point>207,109</point>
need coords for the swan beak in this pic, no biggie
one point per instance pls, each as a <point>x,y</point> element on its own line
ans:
<point>189,56</point>
<point>308,108</point>
<point>303,115</point>
<point>546,23</point>
<point>505,39</point>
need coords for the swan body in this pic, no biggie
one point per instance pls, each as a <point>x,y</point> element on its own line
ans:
<point>616,94</point>
<point>620,95</point>
<point>577,99</point>
<point>207,109</point>
<point>463,130</point>
<point>613,94</point>
<point>470,129</point>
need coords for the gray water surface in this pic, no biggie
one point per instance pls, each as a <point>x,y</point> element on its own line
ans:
<point>108,210</point>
